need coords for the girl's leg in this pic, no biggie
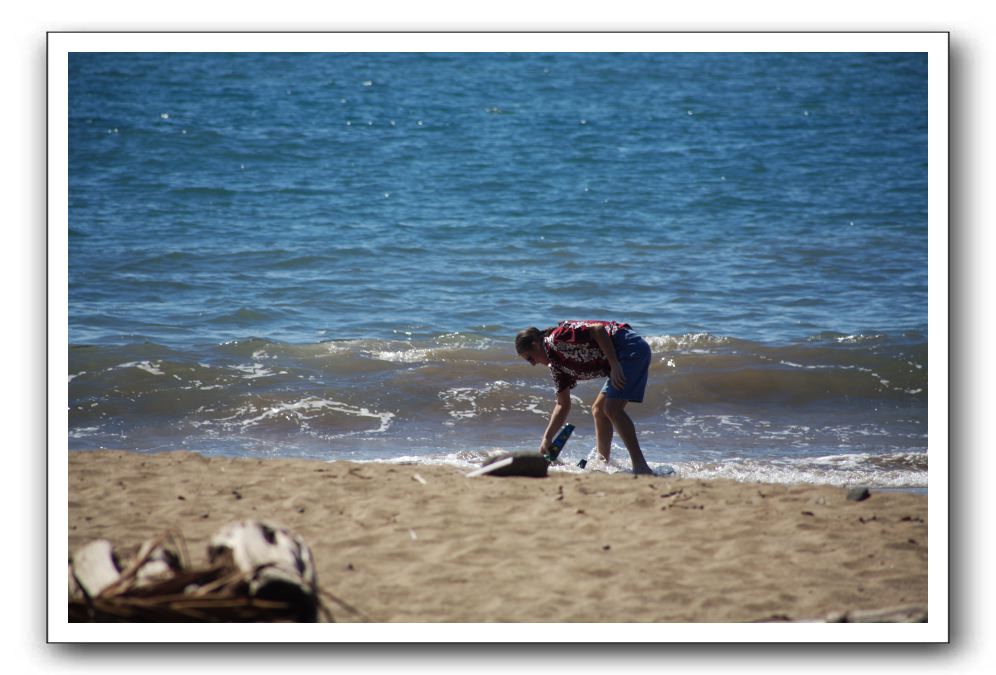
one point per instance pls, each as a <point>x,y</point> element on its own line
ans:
<point>615,410</point>
<point>603,427</point>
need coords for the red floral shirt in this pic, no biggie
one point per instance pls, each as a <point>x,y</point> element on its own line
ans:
<point>574,355</point>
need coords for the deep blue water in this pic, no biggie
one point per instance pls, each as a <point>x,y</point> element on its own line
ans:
<point>256,211</point>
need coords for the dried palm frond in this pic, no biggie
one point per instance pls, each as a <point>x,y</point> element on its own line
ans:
<point>243,582</point>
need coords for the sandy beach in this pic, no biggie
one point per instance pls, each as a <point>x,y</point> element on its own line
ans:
<point>417,543</point>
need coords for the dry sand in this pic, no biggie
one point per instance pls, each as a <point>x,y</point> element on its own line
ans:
<point>587,548</point>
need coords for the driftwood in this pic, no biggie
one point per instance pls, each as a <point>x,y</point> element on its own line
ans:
<point>94,568</point>
<point>858,494</point>
<point>255,572</point>
<point>277,564</point>
<point>513,464</point>
<point>911,614</point>
<point>906,614</point>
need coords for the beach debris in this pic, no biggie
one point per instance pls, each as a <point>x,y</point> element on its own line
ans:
<point>491,467</point>
<point>277,564</point>
<point>255,572</point>
<point>513,464</point>
<point>412,534</point>
<point>857,494</point>
<point>674,499</point>
<point>94,568</point>
<point>157,560</point>
<point>417,478</point>
<point>910,614</point>
<point>904,614</point>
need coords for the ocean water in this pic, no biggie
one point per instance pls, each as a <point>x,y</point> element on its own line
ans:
<point>328,255</point>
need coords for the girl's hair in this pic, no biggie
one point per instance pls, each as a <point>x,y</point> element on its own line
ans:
<point>525,340</point>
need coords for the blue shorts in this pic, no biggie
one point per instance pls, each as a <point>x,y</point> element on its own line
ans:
<point>634,356</point>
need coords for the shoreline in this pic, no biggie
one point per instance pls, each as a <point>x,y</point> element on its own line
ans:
<point>423,543</point>
<point>565,468</point>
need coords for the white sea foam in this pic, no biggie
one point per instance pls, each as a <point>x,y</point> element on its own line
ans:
<point>693,342</point>
<point>256,370</point>
<point>462,459</point>
<point>464,402</point>
<point>309,408</point>
<point>461,402</point>
<point>147,366</point>
<point>857,339</point>
<point>901,470</point>
<point>596,464</point>
<point>413,355</point>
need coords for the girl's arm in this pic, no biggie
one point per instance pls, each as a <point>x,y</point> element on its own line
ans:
<point>604,342</point>
<point>557,419</point>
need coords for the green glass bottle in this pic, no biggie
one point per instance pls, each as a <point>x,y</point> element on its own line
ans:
<point>559,441</point>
